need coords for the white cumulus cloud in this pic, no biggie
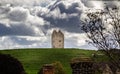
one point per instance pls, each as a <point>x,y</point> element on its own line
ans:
<point>29,23</point>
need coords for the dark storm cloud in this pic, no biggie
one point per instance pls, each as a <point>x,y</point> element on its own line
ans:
<point>16,29</point>
<point>70,25</point>
<point>64,9</point>
<point>64,16</point>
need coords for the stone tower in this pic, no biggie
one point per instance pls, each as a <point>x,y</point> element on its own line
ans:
<point>57,39</point>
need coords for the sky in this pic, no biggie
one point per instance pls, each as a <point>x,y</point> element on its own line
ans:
<point>29,23</point>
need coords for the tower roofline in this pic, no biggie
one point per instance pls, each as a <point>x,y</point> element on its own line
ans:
<point>54,32</point>
<point>57,31</point>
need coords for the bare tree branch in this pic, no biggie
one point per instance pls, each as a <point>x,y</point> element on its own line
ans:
<point>96,29</point>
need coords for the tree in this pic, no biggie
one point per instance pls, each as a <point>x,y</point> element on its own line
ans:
<point>103,29</point>
<point>10,65</point>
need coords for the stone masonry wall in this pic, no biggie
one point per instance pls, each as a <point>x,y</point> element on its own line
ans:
<point>48,69</point>
<point>57,39</point>
<point>82,68</point>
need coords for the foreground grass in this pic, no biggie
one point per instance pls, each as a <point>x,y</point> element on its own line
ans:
<point>34,59</point>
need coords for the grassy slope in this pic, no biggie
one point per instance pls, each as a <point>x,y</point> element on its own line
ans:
<point>34,59</point>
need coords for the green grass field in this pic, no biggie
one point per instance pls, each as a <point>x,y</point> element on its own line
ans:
<point>34,59</point>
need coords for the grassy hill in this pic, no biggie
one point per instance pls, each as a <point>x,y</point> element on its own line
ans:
<point>34,59</point>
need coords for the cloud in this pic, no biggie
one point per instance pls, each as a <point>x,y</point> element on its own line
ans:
<point>18,14</point>
<point>14,42</point>
<point>26,2</point>
<point>25,23</point>
<point>100,4</point>
<point>64,15</point>
<point>75,39</point>
<point>6,43</point>
<point>20,22</point>
<point>4,9</point>
<point>19,29</point>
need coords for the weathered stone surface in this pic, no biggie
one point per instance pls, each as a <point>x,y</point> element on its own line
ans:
<point>57,39</point>
<point>118,71</point>
<point>82,66</point>
<point>48,69</point>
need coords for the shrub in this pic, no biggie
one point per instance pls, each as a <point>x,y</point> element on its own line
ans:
<point>10,65</point>
<point>58,68</point>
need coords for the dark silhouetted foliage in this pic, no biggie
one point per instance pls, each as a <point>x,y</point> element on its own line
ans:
<point>40,71</point>
<point>10,65</point>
